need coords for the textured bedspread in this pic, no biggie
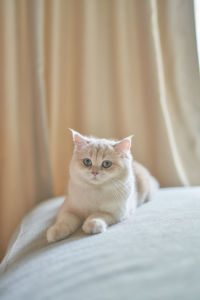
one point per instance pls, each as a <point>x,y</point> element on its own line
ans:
<point>153,255</point>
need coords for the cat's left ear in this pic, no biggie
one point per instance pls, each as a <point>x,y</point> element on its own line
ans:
<point>79,140</point>
<point>124,145</point>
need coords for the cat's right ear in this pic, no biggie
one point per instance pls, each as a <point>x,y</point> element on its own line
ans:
<point>79,140</point>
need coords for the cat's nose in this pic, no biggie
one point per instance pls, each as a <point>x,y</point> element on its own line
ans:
<point>95,173</point>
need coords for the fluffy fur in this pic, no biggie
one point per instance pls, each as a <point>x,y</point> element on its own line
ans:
<point>98,196</point>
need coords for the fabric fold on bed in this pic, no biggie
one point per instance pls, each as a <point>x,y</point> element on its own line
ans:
<point>152,255</point>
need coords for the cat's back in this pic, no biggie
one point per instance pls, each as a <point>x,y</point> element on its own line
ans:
<point>146,184</point>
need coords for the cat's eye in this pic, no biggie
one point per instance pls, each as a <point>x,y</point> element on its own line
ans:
<point>87,162</point>
<point>106,164</point>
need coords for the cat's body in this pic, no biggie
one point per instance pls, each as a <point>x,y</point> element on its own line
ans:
<point>105,187</point>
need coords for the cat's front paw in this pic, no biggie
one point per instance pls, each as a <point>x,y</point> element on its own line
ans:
<point>94,226</point>
<point>57,232</point>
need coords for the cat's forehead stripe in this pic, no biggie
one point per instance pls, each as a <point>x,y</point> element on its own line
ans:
<point>93,153</point>
<point>99,151</point>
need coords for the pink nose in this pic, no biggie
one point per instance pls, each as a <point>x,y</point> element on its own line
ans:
<point>94,173</point>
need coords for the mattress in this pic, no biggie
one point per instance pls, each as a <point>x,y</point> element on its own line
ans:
<point>155,254</point>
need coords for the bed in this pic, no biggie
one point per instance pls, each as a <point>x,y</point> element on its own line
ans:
<point>153,255</point>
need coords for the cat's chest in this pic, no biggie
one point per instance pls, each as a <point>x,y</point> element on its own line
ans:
<point>88,196</point>
<point>89,200</point>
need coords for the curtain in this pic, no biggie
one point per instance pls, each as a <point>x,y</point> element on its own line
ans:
<point>104,68</point>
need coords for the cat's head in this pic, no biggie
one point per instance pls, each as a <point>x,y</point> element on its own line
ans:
<point>97,161</point>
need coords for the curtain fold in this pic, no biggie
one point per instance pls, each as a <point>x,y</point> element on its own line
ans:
<point>175,46</point>
<point>105,68</point>
<point>26,176</point>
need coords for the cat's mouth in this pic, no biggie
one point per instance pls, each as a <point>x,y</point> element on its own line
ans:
<point>95,179</point>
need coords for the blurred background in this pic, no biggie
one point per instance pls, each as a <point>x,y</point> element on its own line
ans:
<point>108,68</point>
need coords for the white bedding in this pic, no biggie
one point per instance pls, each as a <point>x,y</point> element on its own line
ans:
<point>153,255</point>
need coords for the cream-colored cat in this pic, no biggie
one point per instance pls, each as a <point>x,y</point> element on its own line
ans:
<point>105,187</point>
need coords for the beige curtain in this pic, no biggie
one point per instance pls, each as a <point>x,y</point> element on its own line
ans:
<point>106,68</point>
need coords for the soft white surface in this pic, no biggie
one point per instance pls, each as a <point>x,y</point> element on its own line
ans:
<point>153,255</point>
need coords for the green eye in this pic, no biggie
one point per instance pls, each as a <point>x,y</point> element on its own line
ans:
<point>87,162</point>
<point>106,164</point>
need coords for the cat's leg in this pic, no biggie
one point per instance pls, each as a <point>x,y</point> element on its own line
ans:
<point>65,225</point>
<point>98,222</point>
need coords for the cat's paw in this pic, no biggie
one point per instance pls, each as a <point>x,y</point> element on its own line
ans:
<point>94,226</point>
<point>57,232</point>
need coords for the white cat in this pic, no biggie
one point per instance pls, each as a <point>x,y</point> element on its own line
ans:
<point>105,187</point>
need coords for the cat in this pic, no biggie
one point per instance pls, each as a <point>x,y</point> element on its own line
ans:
<point>105,186</point>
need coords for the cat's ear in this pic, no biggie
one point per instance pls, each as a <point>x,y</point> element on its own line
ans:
<point>79,140</point>
<point>124,145</point>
